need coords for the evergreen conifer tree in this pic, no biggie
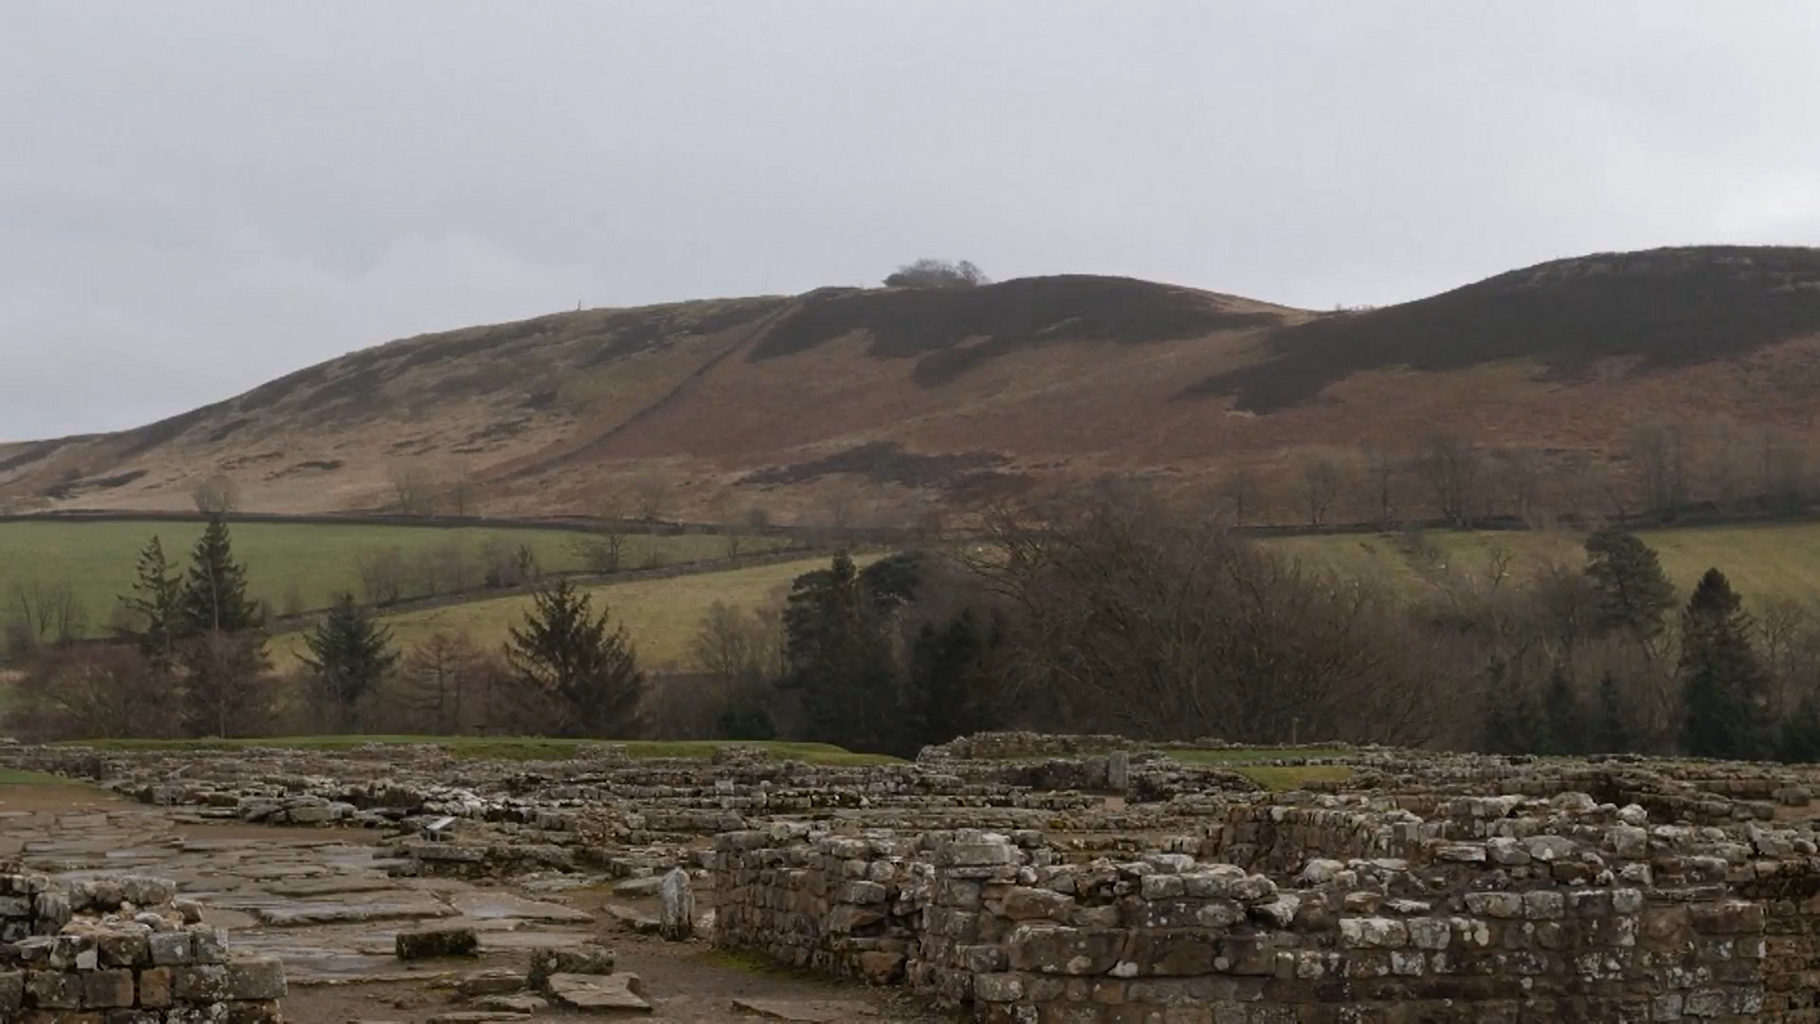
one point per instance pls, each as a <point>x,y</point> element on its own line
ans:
<point>951,679</point>
<point>214,598</point>
<point>567,656</point>
<point>350,655</point>
<point>1723,685</point>
<point>1798,739</point>
<point>1565,717</point>
<point>1634,593</point>
<point>156,605</point>
<point>839,654</point>
<point>1614,736</point>
<point>1515,725</point>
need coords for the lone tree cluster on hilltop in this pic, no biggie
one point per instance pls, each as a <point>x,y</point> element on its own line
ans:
<point>934,273</point>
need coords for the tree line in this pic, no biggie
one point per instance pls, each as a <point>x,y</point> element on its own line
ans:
<point>189,657</point>
<point>1116,609</point>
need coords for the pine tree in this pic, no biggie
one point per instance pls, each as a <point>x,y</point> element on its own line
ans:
<point>1614,726</point>
<point>1515,725</point>
<point>951,677</point>
<point>566,654</point>
<point>214,598</point>
<point>1634,593</point>
<point>350,655</point>
<point>156,607</point>
<point>1723,685</point>
<point>839,654</point>
<point>1798,738</point>
<point>1565,718</point>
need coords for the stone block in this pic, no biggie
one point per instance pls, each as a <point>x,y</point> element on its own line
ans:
<point>199,983</point>
<point>155,987</point>
<point>424,943</point>
<point>107,989</point>
<point>12,991</point>
<point>124,948</point>
<point>1054,949</point>
<point>255,978</point>
<point>170,949</point>
<point>582,958</point>
<point>53,990</point>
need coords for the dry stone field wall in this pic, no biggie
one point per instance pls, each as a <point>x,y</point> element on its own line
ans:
<point>1088,880</point>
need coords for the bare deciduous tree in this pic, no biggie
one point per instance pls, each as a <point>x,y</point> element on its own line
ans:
<point>1659,451</point>
<point>219,495</point>
<point>1519,478</point>
<point>651,492</point>
<point>93,692</point>
<point>440,683</point>
<point>1236,487</point>
<point>458,490</point>
<point>1380,468</point>
<point>1452,467</point>
<point>1320,486</point>
<point>48,612</point>
<point>383,573</point>
<point>413,489</point>
<point>1134,616</point>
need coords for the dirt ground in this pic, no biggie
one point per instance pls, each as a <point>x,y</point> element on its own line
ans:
<point>341,907</point>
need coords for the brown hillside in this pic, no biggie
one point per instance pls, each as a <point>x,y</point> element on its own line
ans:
<point>1663,308</point>
<point>796,404</point>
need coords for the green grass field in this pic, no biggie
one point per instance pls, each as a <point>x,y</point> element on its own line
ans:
<point>1762,561</point>
<point>311,561</point>
<point>515,748</point>
<point>661,615</point>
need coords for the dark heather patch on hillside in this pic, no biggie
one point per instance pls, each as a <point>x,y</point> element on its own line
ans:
<point>498,431</point>
<point>886,462</point>
<point>108,483</point>
<point>248,460</point>
<point>221,433</point>
<point>307,466</point>
<point>656,328</point>
<point>36,453</point>
<point>1667,308</point>
<point>952,330</point>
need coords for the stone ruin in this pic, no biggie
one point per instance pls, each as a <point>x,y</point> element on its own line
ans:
<point>122,950</point>
<point>1090,880</point>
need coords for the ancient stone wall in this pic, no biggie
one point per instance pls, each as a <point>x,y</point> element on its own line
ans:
<point>1640,925</point>
<point>121,951</point>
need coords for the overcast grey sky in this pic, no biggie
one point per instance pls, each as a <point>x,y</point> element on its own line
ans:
<point>198,196</point>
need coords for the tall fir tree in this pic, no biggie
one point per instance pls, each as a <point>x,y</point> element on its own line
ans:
<point>1724,687</point>
<point>350,656</point>
<point>951,678</point>
<point>587,673</point>
<point>214,598</point>
<point>839,655</point>
<point>157,620</point>
<point>1565,718</point>
<point>1634,593</point>
<point>1514,725</point>
<point>1614,732</point>
<point>1798,736</point>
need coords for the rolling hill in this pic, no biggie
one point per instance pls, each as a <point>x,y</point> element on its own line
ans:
<point>794,403</point>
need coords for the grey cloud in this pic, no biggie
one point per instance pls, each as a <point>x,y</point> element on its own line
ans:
<point>195,197</point>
